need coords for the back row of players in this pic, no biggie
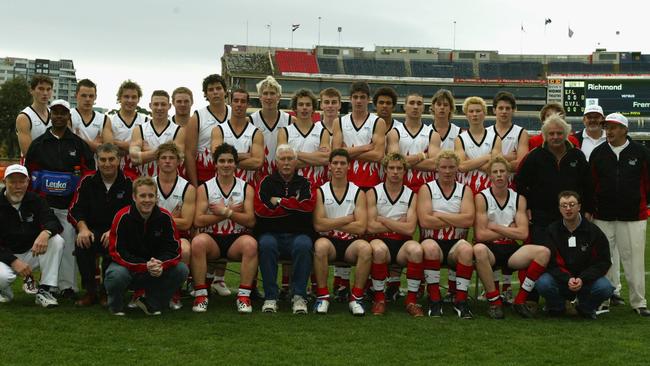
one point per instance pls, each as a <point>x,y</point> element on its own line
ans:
<point>364,136</point>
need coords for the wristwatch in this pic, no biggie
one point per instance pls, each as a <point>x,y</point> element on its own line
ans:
<point>49,233</point>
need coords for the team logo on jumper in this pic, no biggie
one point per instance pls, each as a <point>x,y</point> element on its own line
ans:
<point>157,233</point>
<point>29,218</point>
<point>72,153</point>
<point>573,164</point>
<point>632,162</point>
<point>120,195</point>
<point>329,201</point>
<point>56,185</point>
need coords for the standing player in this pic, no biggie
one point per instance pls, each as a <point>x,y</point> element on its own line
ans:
<point>362,135</point>
<point>445,210</point>
<point>176,195</point>
<point>310,141</point>
<point>417,142</point>
<point>198,152</point>
<point>182,100</point>
<point>392,219</point>
<point>35,119</point>
<point>147,137</point>
<point>340,216</point>
<point>442,108</point>
<point>124,121</point>
<point>501,220</point>
<point>330,104</point>
<point>385,100</point>
<point>225,212</point>
<point>93,127</point>
<point>476,146</point>
<point>514,138</point>
<point>269,120</point>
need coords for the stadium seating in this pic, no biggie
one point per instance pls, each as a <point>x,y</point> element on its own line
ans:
<point>511,70</point>
<point>374,67</point>
<point>295,61</point>
<point>579,67</point>
<point>442,69</point>
<point>635,67</point>
<point>328,66</point>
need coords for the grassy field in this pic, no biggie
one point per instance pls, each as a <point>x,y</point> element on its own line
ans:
<point>68,335</point>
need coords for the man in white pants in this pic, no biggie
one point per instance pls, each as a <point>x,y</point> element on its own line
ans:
<point>29,239</point>
<point>622,183</point>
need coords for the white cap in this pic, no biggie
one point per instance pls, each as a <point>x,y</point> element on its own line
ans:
<point>16,168</point>
<point>594,108</point>
<point>616,118</point>
<point>60,102</point>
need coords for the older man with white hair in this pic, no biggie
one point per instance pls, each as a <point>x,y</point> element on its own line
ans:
<point>284,204</point>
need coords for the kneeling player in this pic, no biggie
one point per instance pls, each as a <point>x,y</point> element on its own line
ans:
<point>340,215</point>
<point>391,220</point>
<point>445,210</point>
<point>500,220</point>
<point>224,211</point>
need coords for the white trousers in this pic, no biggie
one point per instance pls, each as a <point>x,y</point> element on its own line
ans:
<point>48,262</point>
<point>628,238</point>
<point>68,269</point>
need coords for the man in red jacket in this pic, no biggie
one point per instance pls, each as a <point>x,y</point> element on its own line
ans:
<point>146,252</point>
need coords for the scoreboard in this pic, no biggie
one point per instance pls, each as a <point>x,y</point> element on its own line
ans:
<point>629,96</point>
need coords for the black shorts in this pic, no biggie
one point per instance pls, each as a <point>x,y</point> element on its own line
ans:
<point>394,245</point>
<point>340,246</point>
<point>502,253</point>
<point>445,246</point>
<point>224,242</point>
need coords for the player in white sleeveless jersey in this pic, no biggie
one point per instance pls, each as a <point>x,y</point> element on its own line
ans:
<point>442,110</point>
<point>340,218</point>
<point>176,195</point>
<point>445,210</point>
<point>417,142</point>
<point>182,100</point>
<point>93,127</point>
<point>501,220</point>
<point>224,215</point>
<point>269,120</point>
<point>309,140</point>
<point>124,122</point>
<point>476,146</point>
<point>385,101</point>
<point>32,121</point>
<point>514,138</point>
<point>392,219</point>
<point>363,135</point>
<point>330,104</point>
<point>199,166</point>
<point>147,137</point>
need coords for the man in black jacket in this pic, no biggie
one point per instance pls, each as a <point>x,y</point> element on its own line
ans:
<point>29,238</point>
<point>620,171</point>
<point>146,253</point>
<point>99,197</point>
<point>56,161</point>
<point>579,262</point>
<point>284,204</point>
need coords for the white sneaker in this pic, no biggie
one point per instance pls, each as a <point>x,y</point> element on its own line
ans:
<point>356,308</point>
<point>200,304</point>
<point>321,306</point>
<point>299,305</point>
<point>30,286</point>
<point>244,305</point>
<point>6,294</point>
<point>270,306</point>
<point>175,304</point>
<point>45,299</point>
<point>220,288</point>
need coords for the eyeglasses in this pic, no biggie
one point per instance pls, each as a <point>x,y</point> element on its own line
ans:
<point>569,205</point>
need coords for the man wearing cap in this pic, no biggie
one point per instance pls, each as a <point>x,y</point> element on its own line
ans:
<point>29,238</point>
<point>56,161</point>
<point>593,134</point>
<point>620,172</point>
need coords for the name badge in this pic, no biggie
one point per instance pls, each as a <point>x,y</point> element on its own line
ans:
<point>572,242</point>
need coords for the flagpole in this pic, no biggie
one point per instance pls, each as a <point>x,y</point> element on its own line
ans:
<point>318,43</point>
<point>292,36</point>
<point>454,42</point>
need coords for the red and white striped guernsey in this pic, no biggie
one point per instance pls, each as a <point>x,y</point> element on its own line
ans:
<point>216,195</point>
<point>206,122</point>
<point>476,179</point>
<point>364,174</point>
<point>393,210</point>
<point>450,204</point>
<point>154,140</point>
<point>338,208</point>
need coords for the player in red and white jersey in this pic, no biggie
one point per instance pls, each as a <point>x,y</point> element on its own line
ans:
<point>340,218</point>
<point>385,101</point>
<point>442,109</point>
<point>309,140</point>
<point>247,139</point>
<point>124,122</point>
<point>501,220</point>
<point>417,142</point>
<point>445,210</point>
<point>32,121</point>
<point>363,135</point>
<point>392,219</point>
<point>330,104</point>
<point>269,120</point>
<point>199,166</point>
<point>182,100</point>
<point>224,215</point>
<point>147,137</point>
<point>514,138</point>
<point>476,146</point>
<point>176,195</point>
<point>93,127</point>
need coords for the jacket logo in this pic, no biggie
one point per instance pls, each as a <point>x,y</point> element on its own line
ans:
<point>72,153</point>
<point>573,164</point>
<point>29,218</point>
<point>584,247</point>
<point>157,233</point>
<point>120,195</point>
<point>632,162</point>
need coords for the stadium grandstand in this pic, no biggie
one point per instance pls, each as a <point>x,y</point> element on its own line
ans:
<point>622,79</point>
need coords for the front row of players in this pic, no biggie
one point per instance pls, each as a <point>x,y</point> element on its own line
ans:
<point>369,229</point>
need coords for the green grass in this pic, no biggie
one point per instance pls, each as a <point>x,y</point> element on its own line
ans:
<point>68,335</point>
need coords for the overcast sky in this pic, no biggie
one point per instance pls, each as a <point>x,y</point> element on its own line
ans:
<point>163,44</point>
